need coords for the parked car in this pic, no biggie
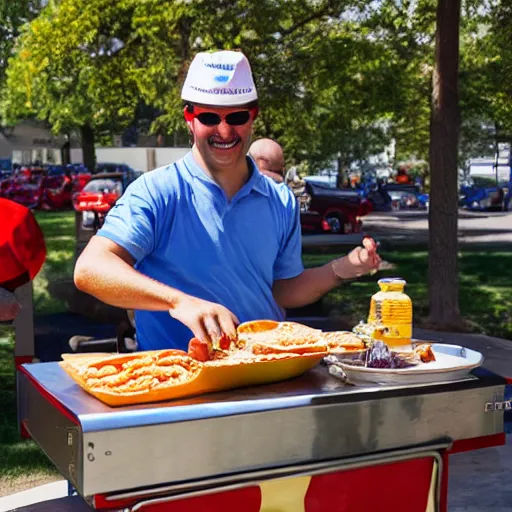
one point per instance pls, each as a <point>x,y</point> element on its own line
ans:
<point>327,209</point>
<point>98,196</point>
<point>26,189</point>
<point>6,182</point>
<point>57,192</point>
<point>108,167</point>
<point>406,196</point>
<point>377,195</point>
<point>482,195</point>
<point>5,165</point>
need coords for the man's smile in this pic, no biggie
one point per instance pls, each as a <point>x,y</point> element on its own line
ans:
<point>224,144</point>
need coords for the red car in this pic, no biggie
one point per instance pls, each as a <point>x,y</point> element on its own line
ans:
<point>56,192</point>
<point>33,188</point>
<point>5,185</point>
<point>326,209</point>
<point>97,198</point>
<point>26,189</point>
<point>60,186</point>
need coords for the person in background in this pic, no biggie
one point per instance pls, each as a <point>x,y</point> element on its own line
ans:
<point>207,242</point>
<point>269,158</point>
<point>402,176</point>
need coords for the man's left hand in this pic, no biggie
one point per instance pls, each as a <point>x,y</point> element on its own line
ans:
<point>360,261</point>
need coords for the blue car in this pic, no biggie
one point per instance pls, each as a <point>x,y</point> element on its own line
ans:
<point>478,198</point>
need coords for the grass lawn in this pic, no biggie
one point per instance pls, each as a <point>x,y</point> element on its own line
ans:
<point>18,459</point>
<point>59,233</point>
<point>485,288</point>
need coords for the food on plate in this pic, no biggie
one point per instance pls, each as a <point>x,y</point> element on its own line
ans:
<point>425,353</point>
<point>153,376</point>
<point>200,350</point>
<point>380,356</point>
<point>207,351</point>
<point>286,337</point>
<point>139,372</point>
<point>289,348</point>
<point>342,341</point>
<point>262,337</point>
<point>243,357</point>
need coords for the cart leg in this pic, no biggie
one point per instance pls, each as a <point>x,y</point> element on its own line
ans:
<point>71,489</point>
<point>443,498</point>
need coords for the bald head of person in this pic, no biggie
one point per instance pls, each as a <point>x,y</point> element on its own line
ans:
<point>269,158</point>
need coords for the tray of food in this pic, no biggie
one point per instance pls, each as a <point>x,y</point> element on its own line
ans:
<point>262,353</point>
<point>425,363</point>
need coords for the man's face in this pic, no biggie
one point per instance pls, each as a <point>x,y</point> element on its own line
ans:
<point>223,145</point>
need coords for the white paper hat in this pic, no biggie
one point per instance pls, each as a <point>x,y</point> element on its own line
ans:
<point>221,78</point>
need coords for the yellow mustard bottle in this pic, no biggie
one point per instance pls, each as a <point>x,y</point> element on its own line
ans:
<point>391,311</point>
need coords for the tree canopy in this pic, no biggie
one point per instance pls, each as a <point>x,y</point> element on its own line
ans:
<point>337,80</point>
<point>13,15</point>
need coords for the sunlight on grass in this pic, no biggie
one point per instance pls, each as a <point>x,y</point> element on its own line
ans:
<point>59,232</point>
<point>17,457</point>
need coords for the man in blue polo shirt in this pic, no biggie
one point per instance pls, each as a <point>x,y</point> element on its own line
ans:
<point>200,245</point>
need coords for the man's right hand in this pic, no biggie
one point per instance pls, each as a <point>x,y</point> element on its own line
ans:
<point>207,320</point>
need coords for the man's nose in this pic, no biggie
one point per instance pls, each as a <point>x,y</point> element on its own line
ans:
<point>225,130</point>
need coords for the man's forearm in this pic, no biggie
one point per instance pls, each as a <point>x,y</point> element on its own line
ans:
<point>115,282</point>
<point>306,288</point>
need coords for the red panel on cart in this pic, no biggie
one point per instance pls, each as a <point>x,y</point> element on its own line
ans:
<point>397,487</point>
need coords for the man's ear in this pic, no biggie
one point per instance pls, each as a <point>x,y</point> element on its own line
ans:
<point>189,118</point>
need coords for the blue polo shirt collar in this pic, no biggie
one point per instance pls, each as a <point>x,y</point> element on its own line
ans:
<point>255,182</point>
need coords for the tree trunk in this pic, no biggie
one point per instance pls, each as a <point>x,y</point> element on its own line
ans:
<point>65,153</point>
<point>444,134</point>
<point>89,154</point>
<point>342,180</point>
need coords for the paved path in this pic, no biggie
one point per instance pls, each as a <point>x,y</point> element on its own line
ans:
<point>481,481</point>
<point>412,227</point>
<point>37,494</point>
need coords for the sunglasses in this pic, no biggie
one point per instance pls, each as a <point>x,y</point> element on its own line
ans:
<point>238,118</point>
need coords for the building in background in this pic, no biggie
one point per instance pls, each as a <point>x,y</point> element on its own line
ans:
<point>31,142</point>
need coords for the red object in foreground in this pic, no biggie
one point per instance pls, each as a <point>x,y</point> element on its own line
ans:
<point>22,247</point>
<point>199,350</point>
<point>397,487</point>
<point>402,486</point>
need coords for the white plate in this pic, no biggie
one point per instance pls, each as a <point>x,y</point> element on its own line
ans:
<point>452,363</point>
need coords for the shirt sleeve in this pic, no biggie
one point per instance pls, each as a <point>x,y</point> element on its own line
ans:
<point>288,263</point>
<point>132,221</point>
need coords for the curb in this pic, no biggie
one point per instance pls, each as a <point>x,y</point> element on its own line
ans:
<point>38,494</point>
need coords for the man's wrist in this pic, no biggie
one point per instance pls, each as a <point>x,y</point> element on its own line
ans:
<point>174,299</point>
<point>341,270</point>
